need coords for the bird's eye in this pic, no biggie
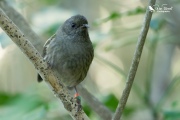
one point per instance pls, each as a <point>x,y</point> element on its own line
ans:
<point>73,25</point>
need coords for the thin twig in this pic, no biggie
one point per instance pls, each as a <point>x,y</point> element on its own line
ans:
<point>135,63</point>
<point>95,104</point>
<point>29,50</point>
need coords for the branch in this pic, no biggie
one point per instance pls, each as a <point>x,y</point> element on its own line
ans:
<point>38,44</point>
<point>47,74</point>
<point>135,63</point>
<point>95,104</point>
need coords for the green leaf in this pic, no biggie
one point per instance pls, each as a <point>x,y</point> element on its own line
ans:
<point>5,98</point>
<point>138,10</point>
<point>172,115</point>
<point>128,110</point>
<point>111,102</point>
<point>114,15</point>
<point>87,110</point>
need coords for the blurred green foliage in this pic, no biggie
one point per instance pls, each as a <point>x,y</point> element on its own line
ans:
<point>116,15</point>
<point>29,107</point>
<point>172,115</point>
<point>49,2</point>
<point>111,102</point>
<point>6,98</point>
<point>51,30</point>
<point>157,24</point>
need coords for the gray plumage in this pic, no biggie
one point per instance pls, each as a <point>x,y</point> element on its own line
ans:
<point>70,52</point>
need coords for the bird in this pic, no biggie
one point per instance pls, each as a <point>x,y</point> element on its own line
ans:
<point>69,52</point>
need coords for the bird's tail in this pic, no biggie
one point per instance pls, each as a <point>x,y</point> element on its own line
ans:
<point>39,78</point>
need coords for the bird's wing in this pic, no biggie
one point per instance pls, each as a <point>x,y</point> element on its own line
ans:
<point>47,44</point>
<point>39,79</point>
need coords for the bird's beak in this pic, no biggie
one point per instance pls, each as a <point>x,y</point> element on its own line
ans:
<point>85,25</point>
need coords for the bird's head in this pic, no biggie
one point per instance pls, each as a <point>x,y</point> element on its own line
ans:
<point>76,25</point>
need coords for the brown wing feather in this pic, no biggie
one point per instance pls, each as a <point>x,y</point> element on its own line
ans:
<point>47,44</point>
<point>39,79</point>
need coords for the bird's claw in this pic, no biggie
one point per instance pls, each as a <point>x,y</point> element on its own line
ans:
<point>78,101</point>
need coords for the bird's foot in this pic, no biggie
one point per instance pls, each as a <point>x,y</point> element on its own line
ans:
<point>78,101</point>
